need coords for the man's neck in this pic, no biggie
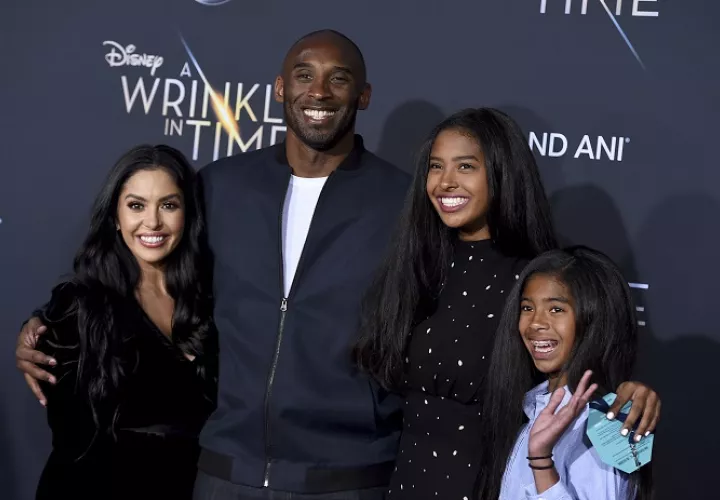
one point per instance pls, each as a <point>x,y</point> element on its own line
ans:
<point>308,162</point>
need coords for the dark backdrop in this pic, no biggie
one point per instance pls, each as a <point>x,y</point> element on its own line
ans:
<point>619,99</point>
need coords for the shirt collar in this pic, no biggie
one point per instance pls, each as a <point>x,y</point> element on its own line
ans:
<point>537,398</point>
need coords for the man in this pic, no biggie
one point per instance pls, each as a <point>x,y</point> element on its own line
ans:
<point>293,255</point>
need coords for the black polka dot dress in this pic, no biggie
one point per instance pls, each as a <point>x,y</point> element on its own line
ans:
<point>447,360</point>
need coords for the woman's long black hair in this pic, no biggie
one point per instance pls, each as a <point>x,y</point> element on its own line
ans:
<point>605,342</point>
<point>410,278</point>
<point>106,274</point>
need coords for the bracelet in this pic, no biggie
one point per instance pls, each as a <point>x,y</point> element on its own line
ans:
<point>544,467</point>
<point>540,458</point>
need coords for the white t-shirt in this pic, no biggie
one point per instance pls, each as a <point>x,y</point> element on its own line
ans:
<point>300,202</point>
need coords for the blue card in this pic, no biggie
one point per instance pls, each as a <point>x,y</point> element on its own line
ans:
<point>615,449</point>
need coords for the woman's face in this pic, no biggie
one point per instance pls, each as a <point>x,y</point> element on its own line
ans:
<point>547,322</point>
<point>151,215</point>
<point>457,184</point>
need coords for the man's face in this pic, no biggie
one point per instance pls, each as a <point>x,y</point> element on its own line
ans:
<point>321,88</point>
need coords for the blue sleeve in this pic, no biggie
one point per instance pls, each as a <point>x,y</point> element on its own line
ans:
<point>586,477</point>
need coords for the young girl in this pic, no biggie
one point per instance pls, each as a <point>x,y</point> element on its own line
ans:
<point>572,313</point>
<point>476,214</point>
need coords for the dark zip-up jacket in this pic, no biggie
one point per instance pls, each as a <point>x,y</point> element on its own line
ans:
<point>293,412</point>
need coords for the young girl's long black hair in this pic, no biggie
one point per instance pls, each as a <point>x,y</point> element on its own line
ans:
<point>606,341</point>
<point>106,274</point>
<point>409,279</point>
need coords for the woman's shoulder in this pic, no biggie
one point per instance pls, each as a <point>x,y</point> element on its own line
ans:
<point>512,266</point>
<point>61,315</point>
<point>64,302</point>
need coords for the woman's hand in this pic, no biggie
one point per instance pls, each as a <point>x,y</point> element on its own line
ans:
<point>645,403</point>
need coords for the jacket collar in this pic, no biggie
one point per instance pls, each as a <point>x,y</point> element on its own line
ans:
<point>351,162</point>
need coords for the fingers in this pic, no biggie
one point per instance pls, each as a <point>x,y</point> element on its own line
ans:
<point>585,397</point>
<point>30,332</point>
<point>582,400</point>
<point>555,400</point>
<point>584,381</point>
<point>639,402</point>
<point>648,415</point>
<point>645,404</point>
<point>35,388</point>
<point>26,358</point>
<point>25,354</point>
<point>567,414</point>
<point>30,370</point>
<point>35,333</point>
<point>577,402</point>
<point>34,326</point>
<point>655,420</point>
<point>624,392</point>
<point>26,344</point>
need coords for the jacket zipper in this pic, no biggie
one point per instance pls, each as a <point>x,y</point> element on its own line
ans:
<point>271,379</point>
<point>283,312</point>
<point>281,327</point>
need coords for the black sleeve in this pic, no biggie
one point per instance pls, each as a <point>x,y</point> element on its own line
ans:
<point>38,313</point>
<point>69,412</point>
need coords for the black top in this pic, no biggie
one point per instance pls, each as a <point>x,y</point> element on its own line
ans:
<point>294,413</point>
<point>446,365</point>
<point>145,445</point>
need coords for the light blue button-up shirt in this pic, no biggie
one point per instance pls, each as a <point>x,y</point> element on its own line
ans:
<point>582,474</point>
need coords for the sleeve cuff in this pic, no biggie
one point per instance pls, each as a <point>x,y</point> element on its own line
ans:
<point>556,492</point>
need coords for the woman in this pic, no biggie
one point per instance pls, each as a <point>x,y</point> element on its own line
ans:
<point>570,310</point>
<point>133,339</point>
<point>476,214</point>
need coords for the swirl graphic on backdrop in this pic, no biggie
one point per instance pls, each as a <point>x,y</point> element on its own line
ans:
<point>212,3</point>
<point>622,34</point>
<point>637,11</point>
<point>222,110</point>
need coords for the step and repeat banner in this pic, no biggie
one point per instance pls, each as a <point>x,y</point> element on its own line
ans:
<point>619,99</point>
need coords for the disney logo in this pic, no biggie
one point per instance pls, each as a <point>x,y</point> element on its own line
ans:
<point>126,56</point>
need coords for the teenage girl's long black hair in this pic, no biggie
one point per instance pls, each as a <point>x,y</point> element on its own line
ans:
<point>409,279</point>
<point>606,341</point>
<point>106,274</point>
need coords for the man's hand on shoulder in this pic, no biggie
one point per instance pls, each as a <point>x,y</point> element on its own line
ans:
<point>27,358</point>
